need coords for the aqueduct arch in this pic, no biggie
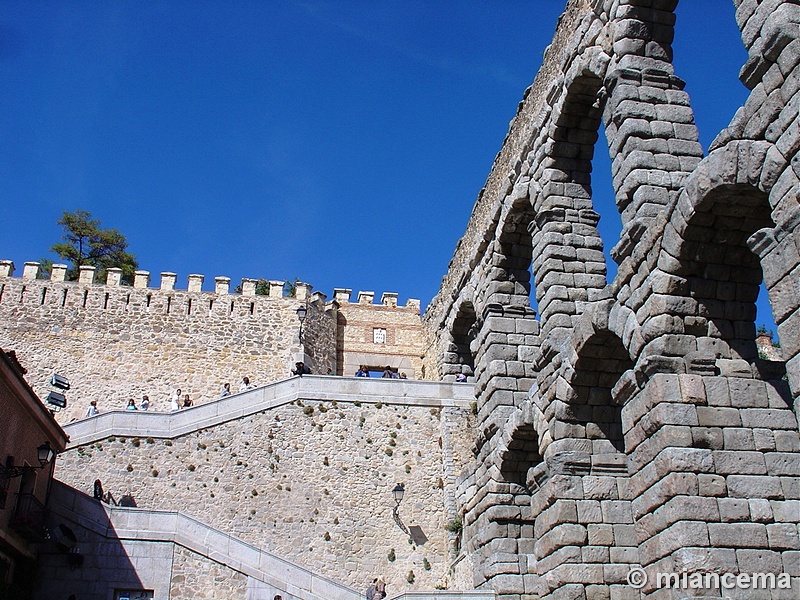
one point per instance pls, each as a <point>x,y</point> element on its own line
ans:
<point>656,371</point>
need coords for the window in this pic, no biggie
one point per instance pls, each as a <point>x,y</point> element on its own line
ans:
<point>133,595</point>
<point>379,335</point>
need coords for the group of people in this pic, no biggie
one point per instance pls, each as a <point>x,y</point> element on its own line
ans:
<point>388,372</point>
<point>244,386</point>
<point>93,409</point>
<point>145,404</point>
<point>376,589</point>
<point>178,400</point>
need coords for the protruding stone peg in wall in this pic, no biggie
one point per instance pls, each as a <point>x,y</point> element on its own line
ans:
<point>30,270</point>
<point>275,288</point>
<point>302,290</point>
<point>86,274</point>
<point>141,279</point>
<point>196,283</point>
<point>168,280</point>
<point>342,295</point>
<point>249,287</point>
<point>58,272</point>
<point>6,268</point>
<point>389,298</point>
<point>113,276</point>
<point>222,285</point>
<point>366,297</point>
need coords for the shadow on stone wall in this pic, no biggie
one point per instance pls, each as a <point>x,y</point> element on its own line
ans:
<point>84,556</point>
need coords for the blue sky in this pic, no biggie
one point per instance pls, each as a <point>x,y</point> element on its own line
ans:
<point>343,143</point>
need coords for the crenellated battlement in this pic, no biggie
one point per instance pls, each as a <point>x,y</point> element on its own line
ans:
<point>118,341</point>
<point>389,299</point>
<point>142,281</point>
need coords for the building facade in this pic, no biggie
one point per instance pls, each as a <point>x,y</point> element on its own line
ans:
<point>24,480</point>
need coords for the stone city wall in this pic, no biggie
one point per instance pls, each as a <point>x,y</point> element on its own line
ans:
<point>308,481</point>
<point>116,342</point>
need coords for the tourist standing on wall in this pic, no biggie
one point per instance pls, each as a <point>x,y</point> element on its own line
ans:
<point>362,371</point>
<point>174,403</point>
<point>226,390</point>
<point>245,385</point>
<point>371,590</point>
<point>187,402</point>
<point>388,373</point>
<point>131,405</point>
<point>145,404</point>
<point>380,589</point>
<point>92,412</point>
<point>300,369</point>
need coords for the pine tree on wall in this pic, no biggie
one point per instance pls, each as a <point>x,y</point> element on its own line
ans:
<point>86,243</point>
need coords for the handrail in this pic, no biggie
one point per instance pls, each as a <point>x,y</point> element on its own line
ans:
<point>174,526</point>
<point>406,392</point>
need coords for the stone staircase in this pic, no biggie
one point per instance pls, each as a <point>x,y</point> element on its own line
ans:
<point>433,394</point>
<point>144,525</point>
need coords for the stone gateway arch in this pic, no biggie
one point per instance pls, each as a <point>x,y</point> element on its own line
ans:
<point>631,422</point>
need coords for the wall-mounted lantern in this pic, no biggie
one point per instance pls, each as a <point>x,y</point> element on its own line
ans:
<point>301,316</point>
<point>44,453</point>
<point>397,493</point>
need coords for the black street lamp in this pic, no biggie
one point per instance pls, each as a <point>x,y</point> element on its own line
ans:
<point>301,316</point>
<point>397,493</point>
<point>44,453</point>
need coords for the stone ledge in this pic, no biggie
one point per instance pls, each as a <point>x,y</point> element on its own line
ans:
<point>169,526</point>
<point>322,388</point>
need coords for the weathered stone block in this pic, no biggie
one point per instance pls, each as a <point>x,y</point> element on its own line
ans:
<point>754,486</point>
<point>718,417</point>
<point>734,509</point>
<point>714,560</point>
<point>783,536</point>
<point>768,417</point>
<point>679,535</point>
<point>600,488</point>
<point>625,555</point>
<point>782,463</point>
<point>685,508</point>
<point>738,535</point>
<point>760,510</point>
<point>739,462</point>
<point>589,511</point>
<point>567,534</point>
<point>595,554</point>
<point>759,561</point>
<point>708,437</point>
<point>616,511</point>
<point>711,485</point>
<point>764,441</point>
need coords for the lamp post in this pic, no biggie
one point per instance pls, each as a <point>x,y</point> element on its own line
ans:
<point>44,454</point>
<point>301,316</point>
<point>397,493</point>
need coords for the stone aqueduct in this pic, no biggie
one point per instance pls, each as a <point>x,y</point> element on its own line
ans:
<point>631,422</point>
<point>625,421</point>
